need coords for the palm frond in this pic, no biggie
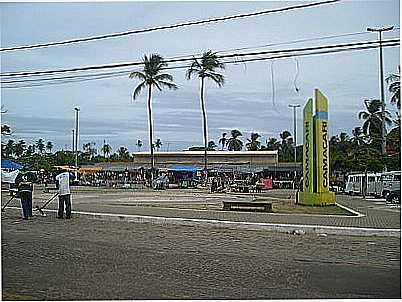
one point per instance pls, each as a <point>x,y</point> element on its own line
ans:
<point>156,84</point>
<point>216,77</point>
<point>137,74</point>
<point>191,72</point>
<point>365,127</point>
<point>138,90</point>
<point>363,115</point>
<point>169,85</point>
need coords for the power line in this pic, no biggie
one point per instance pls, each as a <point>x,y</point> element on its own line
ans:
<point>157,28</point>
<point>300,41</point>
<point>120,65</point>
<point>279,56</point>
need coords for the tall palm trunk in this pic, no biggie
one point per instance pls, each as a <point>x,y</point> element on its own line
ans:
<point>150,129</point>
<point>204,120</point>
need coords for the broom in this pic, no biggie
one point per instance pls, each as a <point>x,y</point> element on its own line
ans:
<point>40,209</point>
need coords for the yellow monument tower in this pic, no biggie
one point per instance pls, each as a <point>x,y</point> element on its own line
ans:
<point>315,189</point>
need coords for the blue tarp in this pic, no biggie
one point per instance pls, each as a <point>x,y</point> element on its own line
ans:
<point>183,169</point>
<point>8,164</point>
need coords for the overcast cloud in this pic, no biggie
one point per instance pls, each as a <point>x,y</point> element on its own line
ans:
<point>244,103</point>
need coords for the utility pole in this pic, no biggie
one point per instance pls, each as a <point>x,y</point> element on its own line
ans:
<point>294,106</point>
<point>383,138</point>
<point>76,136</point>
<point>73,148</point>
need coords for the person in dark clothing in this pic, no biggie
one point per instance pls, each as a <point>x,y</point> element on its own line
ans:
<point>25,189</point>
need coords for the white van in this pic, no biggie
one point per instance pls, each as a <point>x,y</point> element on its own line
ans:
<point>391,181</point>
<point>354,184</point>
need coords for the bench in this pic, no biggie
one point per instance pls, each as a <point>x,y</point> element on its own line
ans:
<point>253,206</point>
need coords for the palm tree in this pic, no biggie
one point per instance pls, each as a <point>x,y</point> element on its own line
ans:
<point>235,144</point>
<point>158,144</point>
<point>40,145</point>
<point>123,153</point>
<point>106,149</point>
<point>284,137</point>
<point>49,146</point>
<point>223,140</point>
<point>253,143</point>
<point>151,76</point>
<point>20,148</point>
<point>30,150</point>
<point>372,117</point>
<point>358,136</point>
<point>205,68</point>
<point>89,149</point>
<point>272,144</point>
<point>394,82</point>
<point>212,146</point>
<point>9,148</point>
<point>139,144</point>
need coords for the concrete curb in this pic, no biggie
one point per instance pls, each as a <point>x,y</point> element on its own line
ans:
<point>276,227</point>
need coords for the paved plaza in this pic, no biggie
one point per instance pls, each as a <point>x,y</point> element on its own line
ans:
<point>201,204</point>
<point>86,258</point>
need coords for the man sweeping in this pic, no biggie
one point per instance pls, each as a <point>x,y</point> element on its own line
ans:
<point>64,195</point>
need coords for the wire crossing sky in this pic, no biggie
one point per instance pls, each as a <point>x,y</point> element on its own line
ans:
<point>279,54</point>
<point>173,26</point>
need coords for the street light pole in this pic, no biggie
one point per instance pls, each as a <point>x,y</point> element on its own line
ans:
<point>383,138</point>
<point>76,136</point>
<point>73,142</point>
<point>294,106</point>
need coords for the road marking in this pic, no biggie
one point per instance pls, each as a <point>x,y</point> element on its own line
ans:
<point>279,227</point>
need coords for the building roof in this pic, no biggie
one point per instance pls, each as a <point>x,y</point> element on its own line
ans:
<point>212,153</point>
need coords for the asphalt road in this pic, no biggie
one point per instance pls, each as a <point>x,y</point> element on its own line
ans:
<point>84,258</point>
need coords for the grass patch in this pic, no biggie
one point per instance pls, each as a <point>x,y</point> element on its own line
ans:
<point>7,296</point>
<point>289,207</point>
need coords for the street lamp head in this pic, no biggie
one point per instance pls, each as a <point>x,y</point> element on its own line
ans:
<point>293,106</point>
<point>380,29</point>
<point>77,109</point>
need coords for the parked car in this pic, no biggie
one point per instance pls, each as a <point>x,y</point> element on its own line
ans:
<point>394,196</point>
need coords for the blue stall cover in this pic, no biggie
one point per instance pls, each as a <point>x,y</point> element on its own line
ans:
<point>183,169</point>
<point>8,164</point>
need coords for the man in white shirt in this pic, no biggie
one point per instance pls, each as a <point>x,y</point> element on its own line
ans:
<point>64,195</point>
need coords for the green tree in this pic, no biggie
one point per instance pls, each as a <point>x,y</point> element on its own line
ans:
<point>106,149</point>
<point>205,68</point>
<point>20,148</point>
<point>49,146</point>
<point>89,150</point>
<point>235,144</point>
<point>30,150</point>
<point>40,144</point>
<point>394,82</point>
<point>139,145</point>
<point>212,146</point>
<point>158,144</point>
<point>253,143</point>
<point>8,149</point>
<point>123,153</point>
<point>151,76</point>
<point>273,144</point>
<point>372,119</point>
<point>223,140</point>
<point>358,136</point>
<point>286,149</point>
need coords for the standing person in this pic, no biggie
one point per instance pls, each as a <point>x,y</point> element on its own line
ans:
<point>63,180</point>
<point>25,188</point>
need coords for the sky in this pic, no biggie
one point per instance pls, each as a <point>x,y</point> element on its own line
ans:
<point>107,111</point>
